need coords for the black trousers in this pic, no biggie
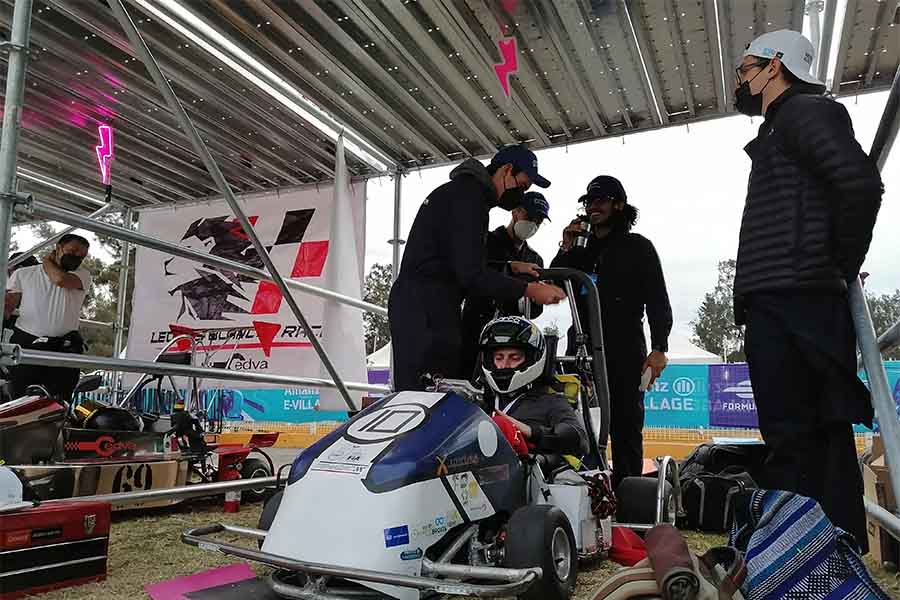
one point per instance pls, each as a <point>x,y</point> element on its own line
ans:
<point>627,421</point>
<point>59,381</point>
<point>807,452</point>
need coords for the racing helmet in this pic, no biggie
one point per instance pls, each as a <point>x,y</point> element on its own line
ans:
<point>512,332</point>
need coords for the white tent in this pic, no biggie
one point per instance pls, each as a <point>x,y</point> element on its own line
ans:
<point>380,359</point>
<point>681,352</point>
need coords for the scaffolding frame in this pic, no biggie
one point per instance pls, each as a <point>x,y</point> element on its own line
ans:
<point>9,199</point>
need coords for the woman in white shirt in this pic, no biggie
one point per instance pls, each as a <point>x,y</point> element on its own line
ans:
<point>49,297</point>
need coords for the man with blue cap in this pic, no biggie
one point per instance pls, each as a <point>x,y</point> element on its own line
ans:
<point>507,252</point>
<point>445,263</point>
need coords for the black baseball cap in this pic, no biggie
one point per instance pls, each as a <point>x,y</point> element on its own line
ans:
<point>536,205</point>
<point>605,186</point>
<point>524,160</point>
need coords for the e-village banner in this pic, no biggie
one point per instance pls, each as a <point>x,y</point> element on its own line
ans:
<point>245,324</point>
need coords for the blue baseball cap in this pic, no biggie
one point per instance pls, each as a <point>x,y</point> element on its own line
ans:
<point>536,205</point>
<point>524,160</point>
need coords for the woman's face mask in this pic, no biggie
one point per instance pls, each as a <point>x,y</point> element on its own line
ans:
<point>70,262</point>
<point>524,229</point>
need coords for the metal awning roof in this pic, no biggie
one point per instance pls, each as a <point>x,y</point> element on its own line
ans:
<point>413,79</point>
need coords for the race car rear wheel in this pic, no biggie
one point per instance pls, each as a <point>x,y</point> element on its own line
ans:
<point>252,468</point>
<point>636,501</point>
<point>541,536</point>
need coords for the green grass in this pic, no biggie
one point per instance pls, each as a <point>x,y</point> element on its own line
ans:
<point>145,547</point>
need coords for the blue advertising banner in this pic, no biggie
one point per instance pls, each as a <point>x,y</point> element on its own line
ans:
<point>291,405</point>
<point>731,396</point>
<point>679,398</point>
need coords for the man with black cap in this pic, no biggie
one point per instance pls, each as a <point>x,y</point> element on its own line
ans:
<point>629,278</point>
<point>505,247</point>
<point>811,205</point>
<point>445,262</point>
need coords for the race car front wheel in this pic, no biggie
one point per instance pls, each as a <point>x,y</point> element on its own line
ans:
<point>268,512</point>
<point>541,536</point>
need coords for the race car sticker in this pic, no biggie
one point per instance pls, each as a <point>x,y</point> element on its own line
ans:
<point>396,536</point>
<point>347,457</point>
<point>438,525</point>
<point>470,495</point>
<point>487,438</point>
<point>387,422</point>
<point>411,554</point>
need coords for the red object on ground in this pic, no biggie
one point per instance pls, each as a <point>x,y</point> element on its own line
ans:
<point>627,547</point>
<point>511,433</point>
<point>38,546</point>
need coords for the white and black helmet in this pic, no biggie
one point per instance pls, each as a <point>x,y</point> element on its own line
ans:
<point>512,332</point>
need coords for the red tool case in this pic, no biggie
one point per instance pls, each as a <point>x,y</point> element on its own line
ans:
<point>52,546</point>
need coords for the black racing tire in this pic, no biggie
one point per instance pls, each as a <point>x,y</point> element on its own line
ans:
<point>268,512</point>
<point>541,536</point>
<point>252,468</point>
<point>636,501</point>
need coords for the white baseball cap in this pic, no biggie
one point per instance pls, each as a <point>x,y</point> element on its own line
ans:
<point>794,51</point>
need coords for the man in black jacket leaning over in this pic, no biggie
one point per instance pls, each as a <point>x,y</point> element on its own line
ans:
<point>444,263</point>
<point>811,205</point>
<point>505,246</point>
<point>629,278</point>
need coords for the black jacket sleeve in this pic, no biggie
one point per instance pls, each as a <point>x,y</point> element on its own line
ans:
<point>466,251</point>
<point>656,299</point>
<point>818,132</point>
<point>564,433</point>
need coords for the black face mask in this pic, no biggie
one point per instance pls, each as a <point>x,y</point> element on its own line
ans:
<point>746,102</point>
<point>511,198</point>
<point>70,262</point>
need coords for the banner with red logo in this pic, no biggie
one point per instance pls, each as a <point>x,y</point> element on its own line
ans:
<point>240,324</point>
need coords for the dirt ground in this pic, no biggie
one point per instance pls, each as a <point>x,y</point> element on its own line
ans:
<point>145,547</point>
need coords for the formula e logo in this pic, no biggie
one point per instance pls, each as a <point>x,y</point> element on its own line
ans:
<point>743,390</point>
<point>387,423</point>
<point>683,386</point>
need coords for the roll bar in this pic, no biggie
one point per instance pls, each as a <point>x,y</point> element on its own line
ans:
<point>591,341</point>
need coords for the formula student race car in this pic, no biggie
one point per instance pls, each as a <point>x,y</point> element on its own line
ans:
<point>422,493</point>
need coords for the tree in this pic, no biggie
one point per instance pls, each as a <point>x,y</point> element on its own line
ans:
<point>714,328</point>
<point>377,289</point>
<point>885,309</point>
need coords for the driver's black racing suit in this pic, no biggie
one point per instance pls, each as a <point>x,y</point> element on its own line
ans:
<point>555,426</point>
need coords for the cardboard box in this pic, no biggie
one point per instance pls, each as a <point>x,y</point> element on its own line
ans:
<point>883,548</point>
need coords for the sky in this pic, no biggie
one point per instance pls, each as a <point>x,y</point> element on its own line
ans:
<point>689,184</point>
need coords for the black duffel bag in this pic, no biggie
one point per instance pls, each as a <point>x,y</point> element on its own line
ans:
<point>715,458</point>
<point>708,498</point>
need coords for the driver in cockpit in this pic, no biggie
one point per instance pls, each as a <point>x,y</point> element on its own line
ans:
<point>513,357</point>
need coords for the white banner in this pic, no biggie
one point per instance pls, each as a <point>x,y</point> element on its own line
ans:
<point>246,325</point>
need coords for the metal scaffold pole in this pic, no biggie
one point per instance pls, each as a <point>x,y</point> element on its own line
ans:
<point>140,47</point>
<point>882,399</point>
<point>13,103</point>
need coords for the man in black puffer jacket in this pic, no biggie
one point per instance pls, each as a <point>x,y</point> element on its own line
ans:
<point>810,210</point>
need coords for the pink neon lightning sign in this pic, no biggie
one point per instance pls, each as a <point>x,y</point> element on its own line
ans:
<point>105,152</point>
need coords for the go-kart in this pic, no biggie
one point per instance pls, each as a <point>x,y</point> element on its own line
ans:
<point>423,493</point>
<point>87,447</point>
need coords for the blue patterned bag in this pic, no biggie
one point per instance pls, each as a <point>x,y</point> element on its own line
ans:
<point>793,551</point>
